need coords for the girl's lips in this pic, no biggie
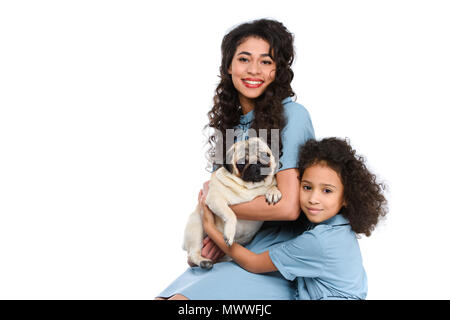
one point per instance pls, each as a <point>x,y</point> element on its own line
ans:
<point>252,83</point>
<point>314,210</point>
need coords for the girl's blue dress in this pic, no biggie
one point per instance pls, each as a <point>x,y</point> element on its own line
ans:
<point>325,260</point>
<point>227,280</point>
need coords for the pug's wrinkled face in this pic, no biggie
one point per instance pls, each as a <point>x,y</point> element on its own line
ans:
<point>251,160</point>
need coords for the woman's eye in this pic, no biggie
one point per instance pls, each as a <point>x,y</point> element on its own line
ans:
<point>266,62</point>
<point>242,59</point>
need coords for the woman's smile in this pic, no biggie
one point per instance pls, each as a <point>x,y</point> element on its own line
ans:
<point>252,83</point>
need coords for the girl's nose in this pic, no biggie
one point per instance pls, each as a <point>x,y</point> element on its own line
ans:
<point>313,199</point>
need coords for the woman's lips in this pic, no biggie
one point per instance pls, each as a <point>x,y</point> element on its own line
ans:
<point>252,83</point>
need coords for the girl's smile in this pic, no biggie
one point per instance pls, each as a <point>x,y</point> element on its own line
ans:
<point>313,211</point>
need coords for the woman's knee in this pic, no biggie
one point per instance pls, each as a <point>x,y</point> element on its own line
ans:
<point>178,297</point>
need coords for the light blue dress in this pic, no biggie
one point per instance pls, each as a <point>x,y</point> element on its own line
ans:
<point>325,260</point>
<point>227,280</point>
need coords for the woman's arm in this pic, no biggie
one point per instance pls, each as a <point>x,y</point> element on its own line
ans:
<point>288,208</point>
<point>250,261</point>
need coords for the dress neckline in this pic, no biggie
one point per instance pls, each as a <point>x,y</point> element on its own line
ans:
<point>248,117</point>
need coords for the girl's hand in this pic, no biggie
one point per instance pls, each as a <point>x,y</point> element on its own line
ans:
<point>210,250</point>
<point>208,216</point>
<point>205,188</point>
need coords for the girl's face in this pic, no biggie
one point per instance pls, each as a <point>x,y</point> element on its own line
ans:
<point>252,70</point>
<point>321,193</point>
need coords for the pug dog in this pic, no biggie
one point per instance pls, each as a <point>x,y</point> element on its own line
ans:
<point>249,172</point>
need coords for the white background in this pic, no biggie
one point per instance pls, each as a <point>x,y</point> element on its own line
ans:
<point>102,105</point>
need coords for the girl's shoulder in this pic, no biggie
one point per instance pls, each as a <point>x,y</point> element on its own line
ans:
<point>334,230</point>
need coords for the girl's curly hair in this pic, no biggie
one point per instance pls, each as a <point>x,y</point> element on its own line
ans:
<point>268,111</point>
<point>365,202</point>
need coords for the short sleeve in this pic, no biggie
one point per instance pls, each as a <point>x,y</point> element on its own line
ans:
<point>300,257</point>
<point>297,131</point>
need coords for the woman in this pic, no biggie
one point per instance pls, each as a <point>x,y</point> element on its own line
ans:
<point>254,93</point>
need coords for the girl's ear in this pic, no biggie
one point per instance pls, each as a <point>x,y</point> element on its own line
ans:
<point>344,202</point>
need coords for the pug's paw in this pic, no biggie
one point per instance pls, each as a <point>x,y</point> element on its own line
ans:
<point>273,195</point>
<point>206,264</point>
<point>229,231</point>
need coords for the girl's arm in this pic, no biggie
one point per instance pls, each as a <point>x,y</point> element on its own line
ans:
<point>288,208</point>
<point>250,261</point>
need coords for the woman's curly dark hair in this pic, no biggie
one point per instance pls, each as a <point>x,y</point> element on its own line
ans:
<point>365,202</point>
<point>268,111</point>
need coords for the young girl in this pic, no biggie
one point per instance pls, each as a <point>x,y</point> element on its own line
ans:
<point>340,198</point>
<point>254,93</point>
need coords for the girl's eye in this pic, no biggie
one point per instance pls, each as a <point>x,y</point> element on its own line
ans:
<point>327,190</point>
<point>268,62</point>
<point>242,59</point>
<point>306,188</point>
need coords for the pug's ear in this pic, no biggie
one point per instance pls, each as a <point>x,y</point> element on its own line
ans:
<point>229,167</point>
<point>229,159</point>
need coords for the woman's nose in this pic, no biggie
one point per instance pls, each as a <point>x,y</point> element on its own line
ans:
<point>253,67</point>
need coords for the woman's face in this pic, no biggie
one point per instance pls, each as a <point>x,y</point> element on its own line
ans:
<point>321,193</point>
<point>252,70</point>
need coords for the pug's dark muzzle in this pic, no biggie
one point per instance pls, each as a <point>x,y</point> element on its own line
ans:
<point>253,172</point>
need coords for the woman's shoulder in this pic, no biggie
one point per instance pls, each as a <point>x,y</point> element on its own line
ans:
<point>293,109</point>
<point>298,120</point>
